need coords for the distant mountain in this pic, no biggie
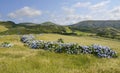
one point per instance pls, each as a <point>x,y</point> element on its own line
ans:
<point>93,25</point>
<point>27,23</point>
<point>26,28</point>
<point>109,28</point>
<point>105,28</point>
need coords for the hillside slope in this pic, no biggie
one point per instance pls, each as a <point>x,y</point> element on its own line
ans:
<point>29,28</point>
<point>92,25</point>
<point>108,28</point>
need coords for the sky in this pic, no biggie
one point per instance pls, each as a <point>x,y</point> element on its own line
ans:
<point>63,12</point>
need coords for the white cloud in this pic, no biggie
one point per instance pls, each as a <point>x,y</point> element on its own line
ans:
<point>90,5</point>
<point>98,11</point>
<point>69,18</point>
<point>70,14</point>
<point>68,10</point>
<point>78,17</point>
<point>25,12</point>
<point>106,14</point>
<point>99,5</point>
<point>115,13</point>
<point>81,4</point>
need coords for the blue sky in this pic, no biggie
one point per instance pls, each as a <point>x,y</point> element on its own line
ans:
<point>62,12</point>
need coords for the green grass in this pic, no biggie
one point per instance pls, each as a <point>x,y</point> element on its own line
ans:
<point>79,33</point>
<point>3,28</point>
<point>21,59</point>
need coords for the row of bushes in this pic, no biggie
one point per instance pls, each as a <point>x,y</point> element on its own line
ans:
<point>69,48</point>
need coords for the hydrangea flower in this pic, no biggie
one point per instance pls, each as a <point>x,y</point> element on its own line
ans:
<point>6,44</point>
<point>69,48</point>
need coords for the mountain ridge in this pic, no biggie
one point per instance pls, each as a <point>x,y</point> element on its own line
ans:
<point>25,28</point>
<point>104,28</point>
<point>98,23</point>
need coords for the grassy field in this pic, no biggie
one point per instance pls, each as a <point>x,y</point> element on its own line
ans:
<point>21,59</point>
<point>2,28</point>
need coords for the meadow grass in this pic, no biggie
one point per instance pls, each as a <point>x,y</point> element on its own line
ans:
<point>3,28</point>
<point>21,59</point>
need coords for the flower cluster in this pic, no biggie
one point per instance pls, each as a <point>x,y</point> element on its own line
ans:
<point>103,51</point>
<point>69,48</point>
<point>86,50</point>
<point>6,45</point>
<point>27,38</point>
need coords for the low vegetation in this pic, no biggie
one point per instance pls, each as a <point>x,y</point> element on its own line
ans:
<point>69,48</point>
<point>6,44</point>
<point>22,59</point>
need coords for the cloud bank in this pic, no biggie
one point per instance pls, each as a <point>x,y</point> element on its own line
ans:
<point>25,12</point>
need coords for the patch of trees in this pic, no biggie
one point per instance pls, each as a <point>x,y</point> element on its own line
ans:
<point>107,33</point>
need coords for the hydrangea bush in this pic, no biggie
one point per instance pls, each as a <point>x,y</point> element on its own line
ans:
<point>69,48</point>
<point>6,45</point>
<point>27,38</point>
<point>103,51</point>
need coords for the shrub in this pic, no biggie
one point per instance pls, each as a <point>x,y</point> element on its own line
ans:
<point>26,38</point>
<point>60,40</point>
<point>103,51</point>
<point>6,44</point>
<point>69,48</point>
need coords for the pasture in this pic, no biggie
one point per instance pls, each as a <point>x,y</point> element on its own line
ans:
<point>22,59</point>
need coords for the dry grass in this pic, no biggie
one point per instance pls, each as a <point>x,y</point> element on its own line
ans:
<point>3,28</point>
<point>21,59</point>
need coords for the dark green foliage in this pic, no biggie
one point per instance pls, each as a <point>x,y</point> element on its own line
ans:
<point>108,32</point>
<point>96,24</point>
<point>60,40</point>
<point>29,28</point>
<point>110,28</point>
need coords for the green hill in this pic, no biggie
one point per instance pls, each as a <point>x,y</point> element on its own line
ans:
<point>29,28</point>
<point>108,28</point>
<point>92,25</point>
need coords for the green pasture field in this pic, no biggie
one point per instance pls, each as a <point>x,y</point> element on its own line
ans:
<point>22,59</point>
